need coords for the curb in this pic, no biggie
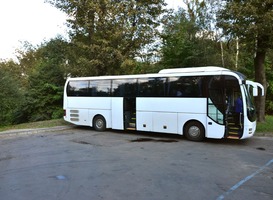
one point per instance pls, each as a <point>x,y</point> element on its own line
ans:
<point>16,132</point>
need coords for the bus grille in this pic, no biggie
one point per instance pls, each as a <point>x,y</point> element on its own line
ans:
<point>74,115</point>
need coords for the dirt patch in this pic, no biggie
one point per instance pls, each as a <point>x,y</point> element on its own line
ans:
<point>81,142</point>
<point>260,148</point>
<point>6,158</point>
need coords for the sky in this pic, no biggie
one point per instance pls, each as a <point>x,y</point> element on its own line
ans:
<point>33,21</point>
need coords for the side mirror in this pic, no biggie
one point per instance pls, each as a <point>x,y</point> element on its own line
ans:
<point>255,91</point>
<point>255,86</point>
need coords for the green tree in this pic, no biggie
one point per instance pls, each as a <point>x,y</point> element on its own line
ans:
<point>107,33</point>
<point>252,22</point>
<point>45,80</point>
<point>187,42</point>
<point>10,94</point>
<point>269,75</point>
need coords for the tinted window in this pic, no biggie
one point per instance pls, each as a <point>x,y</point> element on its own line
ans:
<point>100,88</point>
<point>78,88</point>
<point>89,88</point>
<point>151,87</point>
<point>159,87</point>
<point>185,87</point>
<point>216,92</point>
<point>124,88</point>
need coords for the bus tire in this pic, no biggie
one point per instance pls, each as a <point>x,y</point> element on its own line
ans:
<point>99,123</point>
<point>194,131</point>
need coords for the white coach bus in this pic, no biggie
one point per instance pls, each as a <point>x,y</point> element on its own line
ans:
<point>201,102</point>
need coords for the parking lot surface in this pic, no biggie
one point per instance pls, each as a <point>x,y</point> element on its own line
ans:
<point>79,163</point>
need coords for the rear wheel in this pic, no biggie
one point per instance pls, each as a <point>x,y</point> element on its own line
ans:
<point>99,123</point>
<point>194,131</point>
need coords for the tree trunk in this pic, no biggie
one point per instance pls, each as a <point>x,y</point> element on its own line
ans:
<point>237,53</point>
<point>261,78</point>
<point>222,54</point>
<point>91,31</point>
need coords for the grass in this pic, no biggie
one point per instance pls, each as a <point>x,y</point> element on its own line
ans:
<point>263,129</point>
<point>266,128</point>
<point>33,125</point>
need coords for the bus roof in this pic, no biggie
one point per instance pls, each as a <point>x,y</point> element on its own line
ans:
<point>205,71</point>
<point>192,70</point>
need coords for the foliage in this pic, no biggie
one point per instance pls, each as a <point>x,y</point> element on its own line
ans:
<point>43,93</point>
<point>251,21</point>
<point>10,94</point>
<point>185,44</point>
<point>107,33</point>
<point>269,75</point>
<point>266,128</point>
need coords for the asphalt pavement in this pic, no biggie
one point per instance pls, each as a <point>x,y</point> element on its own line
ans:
<point>69,162</point>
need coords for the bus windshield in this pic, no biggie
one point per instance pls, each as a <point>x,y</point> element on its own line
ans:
<point>251,111</point>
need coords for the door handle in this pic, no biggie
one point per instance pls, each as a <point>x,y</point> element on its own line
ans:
<point>210,123</point>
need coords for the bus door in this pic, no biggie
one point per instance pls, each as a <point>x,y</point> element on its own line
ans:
<point>216,107</point>
<point>124,103</point>
<point>124,113</point>
<point>129,109</point>
<point>234,109</point>
<point>223,95</point>
<point>117,113</point>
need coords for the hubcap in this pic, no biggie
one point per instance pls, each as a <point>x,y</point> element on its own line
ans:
<point>99,123</point>
<point>194,131</point>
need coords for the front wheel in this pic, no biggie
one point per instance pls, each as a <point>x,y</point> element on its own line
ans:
<point>194,131</point>
<point>99,123</point>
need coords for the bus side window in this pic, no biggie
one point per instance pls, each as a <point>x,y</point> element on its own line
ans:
<point>143,87</point>
<point>185,86</point>
<point>151,87</point>
<point>159,87</point>
<point>103,88</point>
<point>93,88</point>
<point>124,87</point>
<point>78,88</point>
<point>173,87</point>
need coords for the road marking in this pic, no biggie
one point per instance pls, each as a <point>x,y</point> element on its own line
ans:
<point>237,185</point>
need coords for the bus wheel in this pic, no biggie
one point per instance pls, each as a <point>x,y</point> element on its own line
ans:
<point>99,123</point>
<point>194,131</point>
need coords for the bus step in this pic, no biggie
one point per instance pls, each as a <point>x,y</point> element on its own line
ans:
<point>132,125</point>
<point>233,133</point>
<point>234,130</point>
<point>235,137</point>
<point>131,129</point>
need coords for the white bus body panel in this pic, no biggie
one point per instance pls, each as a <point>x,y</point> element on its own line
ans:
<point>117,113</point>
<point>157,122</point>
<point>144,121</point>
<point>249,127</point>
<point>214,130</point>
<point>82,110</point>
<point>78,116</point>
<point>185,105</point>
<point>169,115</point>
<point>165,122</point>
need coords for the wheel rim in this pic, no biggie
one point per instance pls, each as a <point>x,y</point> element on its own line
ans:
<point>194,131</point>
<point>99,123</point>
